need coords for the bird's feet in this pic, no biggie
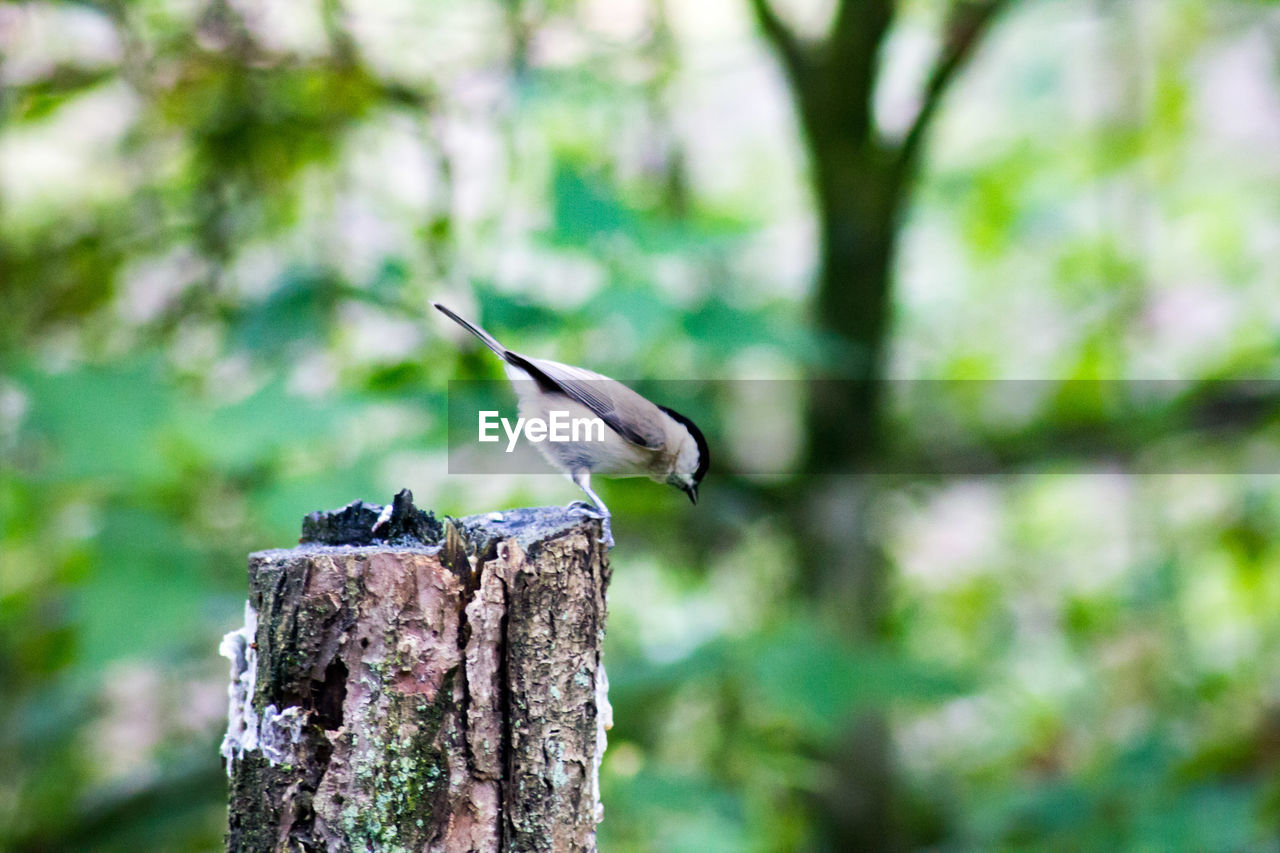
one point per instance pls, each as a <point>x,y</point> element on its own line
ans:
<point>590,510</point>
<point>586,509</point>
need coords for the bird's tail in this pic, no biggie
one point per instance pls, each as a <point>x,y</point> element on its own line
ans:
<point>487,339</point>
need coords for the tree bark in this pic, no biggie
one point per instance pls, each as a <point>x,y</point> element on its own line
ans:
<point>434,686</point>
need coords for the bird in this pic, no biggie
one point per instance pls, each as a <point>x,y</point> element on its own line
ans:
<point>642,439</point>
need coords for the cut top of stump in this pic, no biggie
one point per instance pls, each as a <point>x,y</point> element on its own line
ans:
<point>401,525</point>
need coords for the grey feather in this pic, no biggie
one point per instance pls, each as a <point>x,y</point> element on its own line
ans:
<point>623,410</point>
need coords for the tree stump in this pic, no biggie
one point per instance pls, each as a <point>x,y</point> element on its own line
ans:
<point>402,683</point>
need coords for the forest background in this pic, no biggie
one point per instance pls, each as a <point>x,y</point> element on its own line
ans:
<point>1037,242</point>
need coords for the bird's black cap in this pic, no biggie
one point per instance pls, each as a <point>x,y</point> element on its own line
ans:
<point>704,453</point>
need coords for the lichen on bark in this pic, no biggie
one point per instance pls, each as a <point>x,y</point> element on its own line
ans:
<point>421,695</point>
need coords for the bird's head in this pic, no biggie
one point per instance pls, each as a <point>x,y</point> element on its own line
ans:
<point>692,458</point>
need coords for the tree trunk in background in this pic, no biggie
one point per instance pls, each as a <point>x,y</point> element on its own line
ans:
<point>858,212</point>
<point>861,185</point>
<point>846,570</point>
<point>441,696</point>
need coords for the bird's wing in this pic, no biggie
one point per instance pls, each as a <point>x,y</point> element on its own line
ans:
<point>643,423</point>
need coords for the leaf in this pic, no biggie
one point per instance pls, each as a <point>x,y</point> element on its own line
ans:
<point>98,422</point>
<point>807,675</point>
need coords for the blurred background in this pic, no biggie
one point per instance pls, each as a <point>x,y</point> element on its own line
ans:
<point>221,224</point>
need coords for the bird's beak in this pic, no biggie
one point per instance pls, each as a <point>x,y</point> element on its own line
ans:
<point>692,492</point>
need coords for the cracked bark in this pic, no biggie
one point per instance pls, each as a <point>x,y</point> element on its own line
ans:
<point>442,695</point>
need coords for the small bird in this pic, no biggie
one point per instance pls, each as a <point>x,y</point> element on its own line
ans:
<point>643,439</point>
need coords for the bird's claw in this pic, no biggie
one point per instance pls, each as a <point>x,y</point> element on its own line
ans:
<point>590,510</point>
<point>587,509</point>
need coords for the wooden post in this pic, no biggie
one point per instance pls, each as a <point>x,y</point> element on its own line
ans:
<point>407,684</point>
